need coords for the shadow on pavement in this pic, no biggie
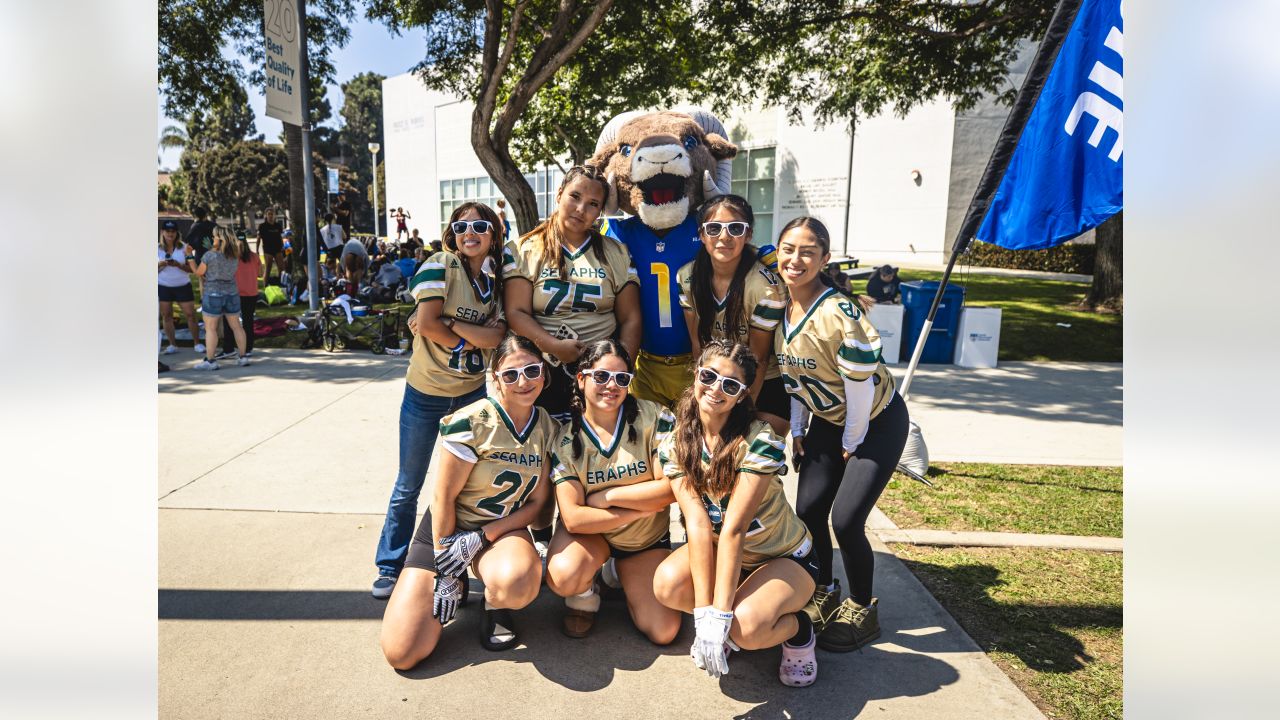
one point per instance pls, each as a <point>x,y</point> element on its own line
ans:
<point>312,366</point>
<point>1088,393</point>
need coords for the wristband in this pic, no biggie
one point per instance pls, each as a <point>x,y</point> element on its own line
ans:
<point>462,342</point>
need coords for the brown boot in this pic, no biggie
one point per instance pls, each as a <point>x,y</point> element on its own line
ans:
<point>852,627</point>
<point>580,613</point>
<point>822,606</point>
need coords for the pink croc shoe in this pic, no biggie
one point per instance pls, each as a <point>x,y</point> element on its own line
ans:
<point>799,666</point>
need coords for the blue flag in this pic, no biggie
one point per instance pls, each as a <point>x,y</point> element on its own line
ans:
<point>1066,173</point>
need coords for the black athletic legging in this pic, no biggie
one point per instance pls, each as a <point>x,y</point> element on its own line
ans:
<point>847,492</point>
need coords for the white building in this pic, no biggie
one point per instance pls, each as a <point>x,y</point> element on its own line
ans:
<point>896,193</point>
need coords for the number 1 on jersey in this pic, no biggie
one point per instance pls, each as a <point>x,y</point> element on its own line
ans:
<point>663,274</point>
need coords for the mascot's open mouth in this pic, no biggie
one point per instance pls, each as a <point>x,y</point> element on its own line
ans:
<point>662,189</point>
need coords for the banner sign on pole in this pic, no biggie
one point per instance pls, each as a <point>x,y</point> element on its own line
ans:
<point>1066,174</point>
<point>333,181</point>
<point>281,36</point>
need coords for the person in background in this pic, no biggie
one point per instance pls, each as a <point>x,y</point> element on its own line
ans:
<point>412,244</point>
<point>402,226</point>
<point>200,235</point>
<point>271,239</point>
<point>436,247</point>
<point>342,212</point>
<point>219,296</point>
<point>247,273</point>
<point>332,236</point>
<point>882,286</point>
<point>502,215</point>
<point>355,261</point>
<point>174,263</point>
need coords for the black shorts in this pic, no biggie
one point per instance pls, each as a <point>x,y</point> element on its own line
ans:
<point>272,246</point>
<point>557,393</point>
<point>422,549</point>
<point>180,294</point>
<point>809,563</point>
<point>774,399</point>
<point>663,543</point>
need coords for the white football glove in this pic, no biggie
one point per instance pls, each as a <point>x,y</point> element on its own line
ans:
<point>459,550</point>
<point>711,627</point>
<point>448,593</point>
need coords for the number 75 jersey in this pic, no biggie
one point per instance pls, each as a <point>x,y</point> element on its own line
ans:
<point>833,341</point>
<point>508,460</point>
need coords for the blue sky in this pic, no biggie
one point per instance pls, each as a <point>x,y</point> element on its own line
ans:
<point>371,49</point>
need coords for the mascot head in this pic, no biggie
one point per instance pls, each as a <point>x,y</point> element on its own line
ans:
<point>662,165</point>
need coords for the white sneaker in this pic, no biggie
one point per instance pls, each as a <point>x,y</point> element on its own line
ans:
<point>242,361</point>
<point>199,347</point>
<point>207,364</point>
<point>169,350</point>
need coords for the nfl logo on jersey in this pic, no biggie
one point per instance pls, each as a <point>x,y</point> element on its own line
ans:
<point>660,246</point>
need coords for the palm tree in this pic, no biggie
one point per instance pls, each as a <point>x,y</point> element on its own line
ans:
<point>173,137</point>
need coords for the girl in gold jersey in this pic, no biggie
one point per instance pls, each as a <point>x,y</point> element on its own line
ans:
<point>491,483</point>
<point>747,570</point>
<point>459,294</point>
<point>614,503</point>
<point>830,354</point>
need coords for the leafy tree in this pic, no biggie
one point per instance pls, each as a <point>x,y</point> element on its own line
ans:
<point>852,58</point>
<point>235,180</point>
<point>362,124</point>
<point>195,67</point>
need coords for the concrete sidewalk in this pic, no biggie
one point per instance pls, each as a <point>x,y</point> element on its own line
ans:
<point>269,523</point>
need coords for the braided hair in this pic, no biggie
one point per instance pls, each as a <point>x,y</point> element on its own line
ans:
<point>577,404</point>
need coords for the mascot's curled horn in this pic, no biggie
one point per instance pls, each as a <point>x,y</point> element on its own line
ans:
<point>661,166</point>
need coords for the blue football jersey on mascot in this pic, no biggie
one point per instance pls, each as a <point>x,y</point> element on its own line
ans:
<point>657,259</point>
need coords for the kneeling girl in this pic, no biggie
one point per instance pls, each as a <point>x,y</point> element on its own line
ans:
<point>614,504</point>
<point>748,568</point>
<point>491,483</point>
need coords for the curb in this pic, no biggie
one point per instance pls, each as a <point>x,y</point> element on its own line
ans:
<point>952,538</point>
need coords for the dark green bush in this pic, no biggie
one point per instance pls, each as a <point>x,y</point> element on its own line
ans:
<point>1069,258</point>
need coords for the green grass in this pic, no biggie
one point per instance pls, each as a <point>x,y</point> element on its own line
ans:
<point>1052,620</point>
<point>1047,499</point>
<point>1032,310</point>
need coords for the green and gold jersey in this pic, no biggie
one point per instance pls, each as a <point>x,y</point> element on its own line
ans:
<point>508,462</point>
<point>833,341</point>
<point>775,531</point>
<point>433,369</point>
<point>578,306</point>
<point>623,462</point>
<point>764,297</point>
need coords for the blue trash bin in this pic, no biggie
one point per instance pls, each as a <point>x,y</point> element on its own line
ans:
<point>917,296</point>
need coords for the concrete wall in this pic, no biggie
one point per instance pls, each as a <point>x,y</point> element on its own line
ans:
<point>894,218</point>
<point>408,111</point>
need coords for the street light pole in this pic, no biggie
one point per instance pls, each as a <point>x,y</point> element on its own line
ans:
<point>373,150</point>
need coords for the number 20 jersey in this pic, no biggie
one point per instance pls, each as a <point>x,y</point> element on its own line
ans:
<point>582,302</point>
<point>508,460</point>
<point>833,341</point>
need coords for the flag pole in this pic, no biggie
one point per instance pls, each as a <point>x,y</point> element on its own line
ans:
<point>1046,55</point>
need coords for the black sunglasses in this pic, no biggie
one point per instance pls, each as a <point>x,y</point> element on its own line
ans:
<point>736,228</point>
<point>532,371</point>
<point>479,227</point>
<point>729,386</point>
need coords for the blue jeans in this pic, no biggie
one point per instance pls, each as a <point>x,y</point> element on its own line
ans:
<point>420,416</point>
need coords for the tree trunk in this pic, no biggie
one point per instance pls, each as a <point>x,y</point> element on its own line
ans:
<point>504,171</point>
<point>1108,268</point>
<point>297,190</point>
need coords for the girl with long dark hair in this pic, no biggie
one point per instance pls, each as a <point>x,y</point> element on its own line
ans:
<point>174,263</point>
<point>459,294</point>
<point>829,353</point>
<point>569,286</point>
<point>728,294</point>
<point>748,569</point>
<point>491,483</point>
<point>614,503</point>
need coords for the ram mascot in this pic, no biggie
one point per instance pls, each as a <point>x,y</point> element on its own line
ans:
<point>661,166</point>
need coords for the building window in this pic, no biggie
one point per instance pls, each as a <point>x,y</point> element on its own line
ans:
<point>545,182</point>
<point>456,192</point>
<point>753,174</point>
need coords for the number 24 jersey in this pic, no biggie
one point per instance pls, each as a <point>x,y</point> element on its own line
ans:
<point>508,460</point>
